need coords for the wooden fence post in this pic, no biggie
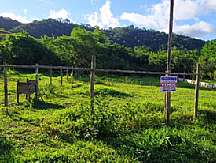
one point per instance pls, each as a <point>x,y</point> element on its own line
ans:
<point>50,85</point>
<point>61,76</point>
<point>37,81</point>
<point>28,96</point>
<point>78,74</point>
<point>92,78</point>
<point>197,87</point>
<point>67,73</point>
<point>5,86</point>
<point>17,92</point>
<point>72,74</point>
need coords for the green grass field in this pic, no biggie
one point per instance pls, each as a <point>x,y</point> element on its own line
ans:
<point>127,125</point>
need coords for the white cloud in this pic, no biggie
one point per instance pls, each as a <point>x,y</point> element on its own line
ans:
<point>59,14</point>
<point>159,14</point>
<point>104,18</point>
<point>198,29</point>
<point>149,21</point>
<point>13,16</point>
<point>187,9</point>
<point>211,4</point>
<point>158,17</point>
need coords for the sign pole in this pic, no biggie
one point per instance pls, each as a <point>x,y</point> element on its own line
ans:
<point>169,52</point>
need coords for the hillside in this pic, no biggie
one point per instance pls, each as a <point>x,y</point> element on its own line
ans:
<point>8,23</point>
<point>128,36</point>
<point>49,27</point>
<point>132,36</point>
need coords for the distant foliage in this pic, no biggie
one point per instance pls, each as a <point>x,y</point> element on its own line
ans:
<point>21,48</point>
<point>208,59</point>
<point>127,36</point>
<point>77,49</point>
<point>49,27</point>
<point>133,36</point>
<point>8,23</point>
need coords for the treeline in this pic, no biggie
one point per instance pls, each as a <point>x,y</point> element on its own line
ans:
<point>133,36</point>
<point>208,59</point>
<point>8,23</point>
<point>77,49</point>
<point>128,36</point>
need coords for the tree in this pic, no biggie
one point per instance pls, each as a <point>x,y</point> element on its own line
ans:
<point>208,59</point>
<point>20,48</point>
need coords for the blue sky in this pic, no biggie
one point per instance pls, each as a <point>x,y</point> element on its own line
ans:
<point>195,18</point>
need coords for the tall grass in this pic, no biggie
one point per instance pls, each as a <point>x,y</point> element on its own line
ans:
<point>127,126</point>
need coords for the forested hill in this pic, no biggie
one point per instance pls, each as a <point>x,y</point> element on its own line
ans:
<point>129,36</point>
<point>48,27</point>
<point>133,36</point>
<point>8,23</point>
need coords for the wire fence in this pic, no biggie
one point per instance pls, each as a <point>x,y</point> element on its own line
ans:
<point>128,86</point>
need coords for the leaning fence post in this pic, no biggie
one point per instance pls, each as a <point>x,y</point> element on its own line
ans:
<point>92,78</point>
<point>197,87</point>
<point>5,86</point>
<point>50,75</point>
<point>37,81</point>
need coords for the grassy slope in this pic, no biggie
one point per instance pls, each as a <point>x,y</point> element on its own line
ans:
<point>127,126</point>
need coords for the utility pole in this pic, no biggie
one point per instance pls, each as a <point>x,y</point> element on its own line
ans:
<point>168,72</point>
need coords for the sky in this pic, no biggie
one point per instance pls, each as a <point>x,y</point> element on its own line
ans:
<point>195,18</point>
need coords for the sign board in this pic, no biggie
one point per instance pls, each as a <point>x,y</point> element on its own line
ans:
<point>168,83</point>
<point>26,88</point>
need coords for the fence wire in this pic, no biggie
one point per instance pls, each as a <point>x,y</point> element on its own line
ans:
<point>122,89</point>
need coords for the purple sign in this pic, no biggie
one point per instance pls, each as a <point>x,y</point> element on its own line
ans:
<point>168,83</point>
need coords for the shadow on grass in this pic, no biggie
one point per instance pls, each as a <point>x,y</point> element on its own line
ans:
<point>59,95</point>
<point>179,121</point>
<point>209,116</point>
<point>170,148</point>
<point>111,92</point>
<point>5,150</point>
<point>76,85</point>
<point>46,105</point>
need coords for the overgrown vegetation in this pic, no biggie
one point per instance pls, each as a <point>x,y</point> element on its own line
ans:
<point>127,125</point>
<point>77,49</point>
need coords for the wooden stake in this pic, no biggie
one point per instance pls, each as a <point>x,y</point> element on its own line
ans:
<point>72,73</point>
<point>92,78</point>
<point>5,87</point>
<point>28,96</point>
<point>67,73</point>
<point>197,88</point>
<point>17,92</point>
<point>50,75</point>
<point>37,82</point>
<point>61,76</point>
